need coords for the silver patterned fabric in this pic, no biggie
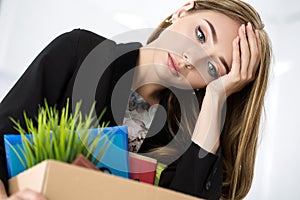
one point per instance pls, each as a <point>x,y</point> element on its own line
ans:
<point>138,117</point>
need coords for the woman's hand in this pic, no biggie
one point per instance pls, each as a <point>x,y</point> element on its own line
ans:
<point>21,195</point>
<point>246,57</point>
<point>26,195</point>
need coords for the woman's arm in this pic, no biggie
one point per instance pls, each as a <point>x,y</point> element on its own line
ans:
<point>49,76</point>
<point>44,78</point>
<point>244,66</point>
<point>208,126</point>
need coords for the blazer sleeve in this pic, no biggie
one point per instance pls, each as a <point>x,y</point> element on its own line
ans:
<point>46,77</point>
<point>196,172</point>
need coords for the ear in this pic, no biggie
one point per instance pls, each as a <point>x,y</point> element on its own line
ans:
<point>183,10</point>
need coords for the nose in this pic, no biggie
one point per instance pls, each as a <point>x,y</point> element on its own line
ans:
<point>186,57</point>
<point>195,58</point>
<point>187,61</point>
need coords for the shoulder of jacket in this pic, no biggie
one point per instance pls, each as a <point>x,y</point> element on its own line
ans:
<point>89,36</point>
<point>83,35</point>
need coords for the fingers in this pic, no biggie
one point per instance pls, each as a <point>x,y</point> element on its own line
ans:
<point>3,194</point>
<point>245,59</point>
<point>245,53</point>
<point>236,58</point>
<point>250,52</point>
<point>27,194</point>
<point>255,51</point>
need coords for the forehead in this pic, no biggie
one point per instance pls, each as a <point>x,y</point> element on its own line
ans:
<point>226,27</point>
<point>221,21</point>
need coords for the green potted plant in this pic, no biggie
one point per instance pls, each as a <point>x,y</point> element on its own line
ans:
<point>60,136</point>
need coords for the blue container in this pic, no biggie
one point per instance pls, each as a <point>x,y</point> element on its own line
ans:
<point>114,160</point>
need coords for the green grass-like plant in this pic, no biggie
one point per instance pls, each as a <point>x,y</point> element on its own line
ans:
<point>60,136</point>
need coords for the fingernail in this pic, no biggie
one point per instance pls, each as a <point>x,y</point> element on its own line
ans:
<point>243,28</point>
<point>250,25</point>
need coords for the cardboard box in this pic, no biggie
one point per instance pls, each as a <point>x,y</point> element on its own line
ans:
<point>62,181</point>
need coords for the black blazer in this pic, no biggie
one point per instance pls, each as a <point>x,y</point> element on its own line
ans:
<point>58,73</point>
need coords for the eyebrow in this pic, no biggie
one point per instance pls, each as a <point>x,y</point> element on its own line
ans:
<point>215,39</point>
<point>213,30</point>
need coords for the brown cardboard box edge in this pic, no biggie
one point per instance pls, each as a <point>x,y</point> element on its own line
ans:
<point>62,181</point>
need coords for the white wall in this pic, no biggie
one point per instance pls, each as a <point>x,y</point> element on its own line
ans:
<point>278,161</point>
<point>27,26</point>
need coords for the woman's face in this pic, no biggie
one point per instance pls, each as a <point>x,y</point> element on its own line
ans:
<point>195,49</point>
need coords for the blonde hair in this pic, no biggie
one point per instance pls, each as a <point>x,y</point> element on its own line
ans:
<point>244,108</point>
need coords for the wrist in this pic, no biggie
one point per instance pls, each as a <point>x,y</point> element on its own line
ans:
<point>210,145</point>
<point>3,194</point>
<point>217,89</point>
<point>207,129</point>
<point>216,98</point>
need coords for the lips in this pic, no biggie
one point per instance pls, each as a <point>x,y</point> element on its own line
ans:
<point>172,64</point>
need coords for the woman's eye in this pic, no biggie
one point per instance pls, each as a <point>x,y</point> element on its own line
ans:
<point>200,35</point>
<point>212,70</point>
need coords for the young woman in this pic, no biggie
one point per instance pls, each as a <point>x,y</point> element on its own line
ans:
<point>216,51</point>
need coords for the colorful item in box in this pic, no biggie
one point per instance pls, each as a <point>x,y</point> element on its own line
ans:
<point>115,159</point>
<point>142,168</point>
<point>159,168</point>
